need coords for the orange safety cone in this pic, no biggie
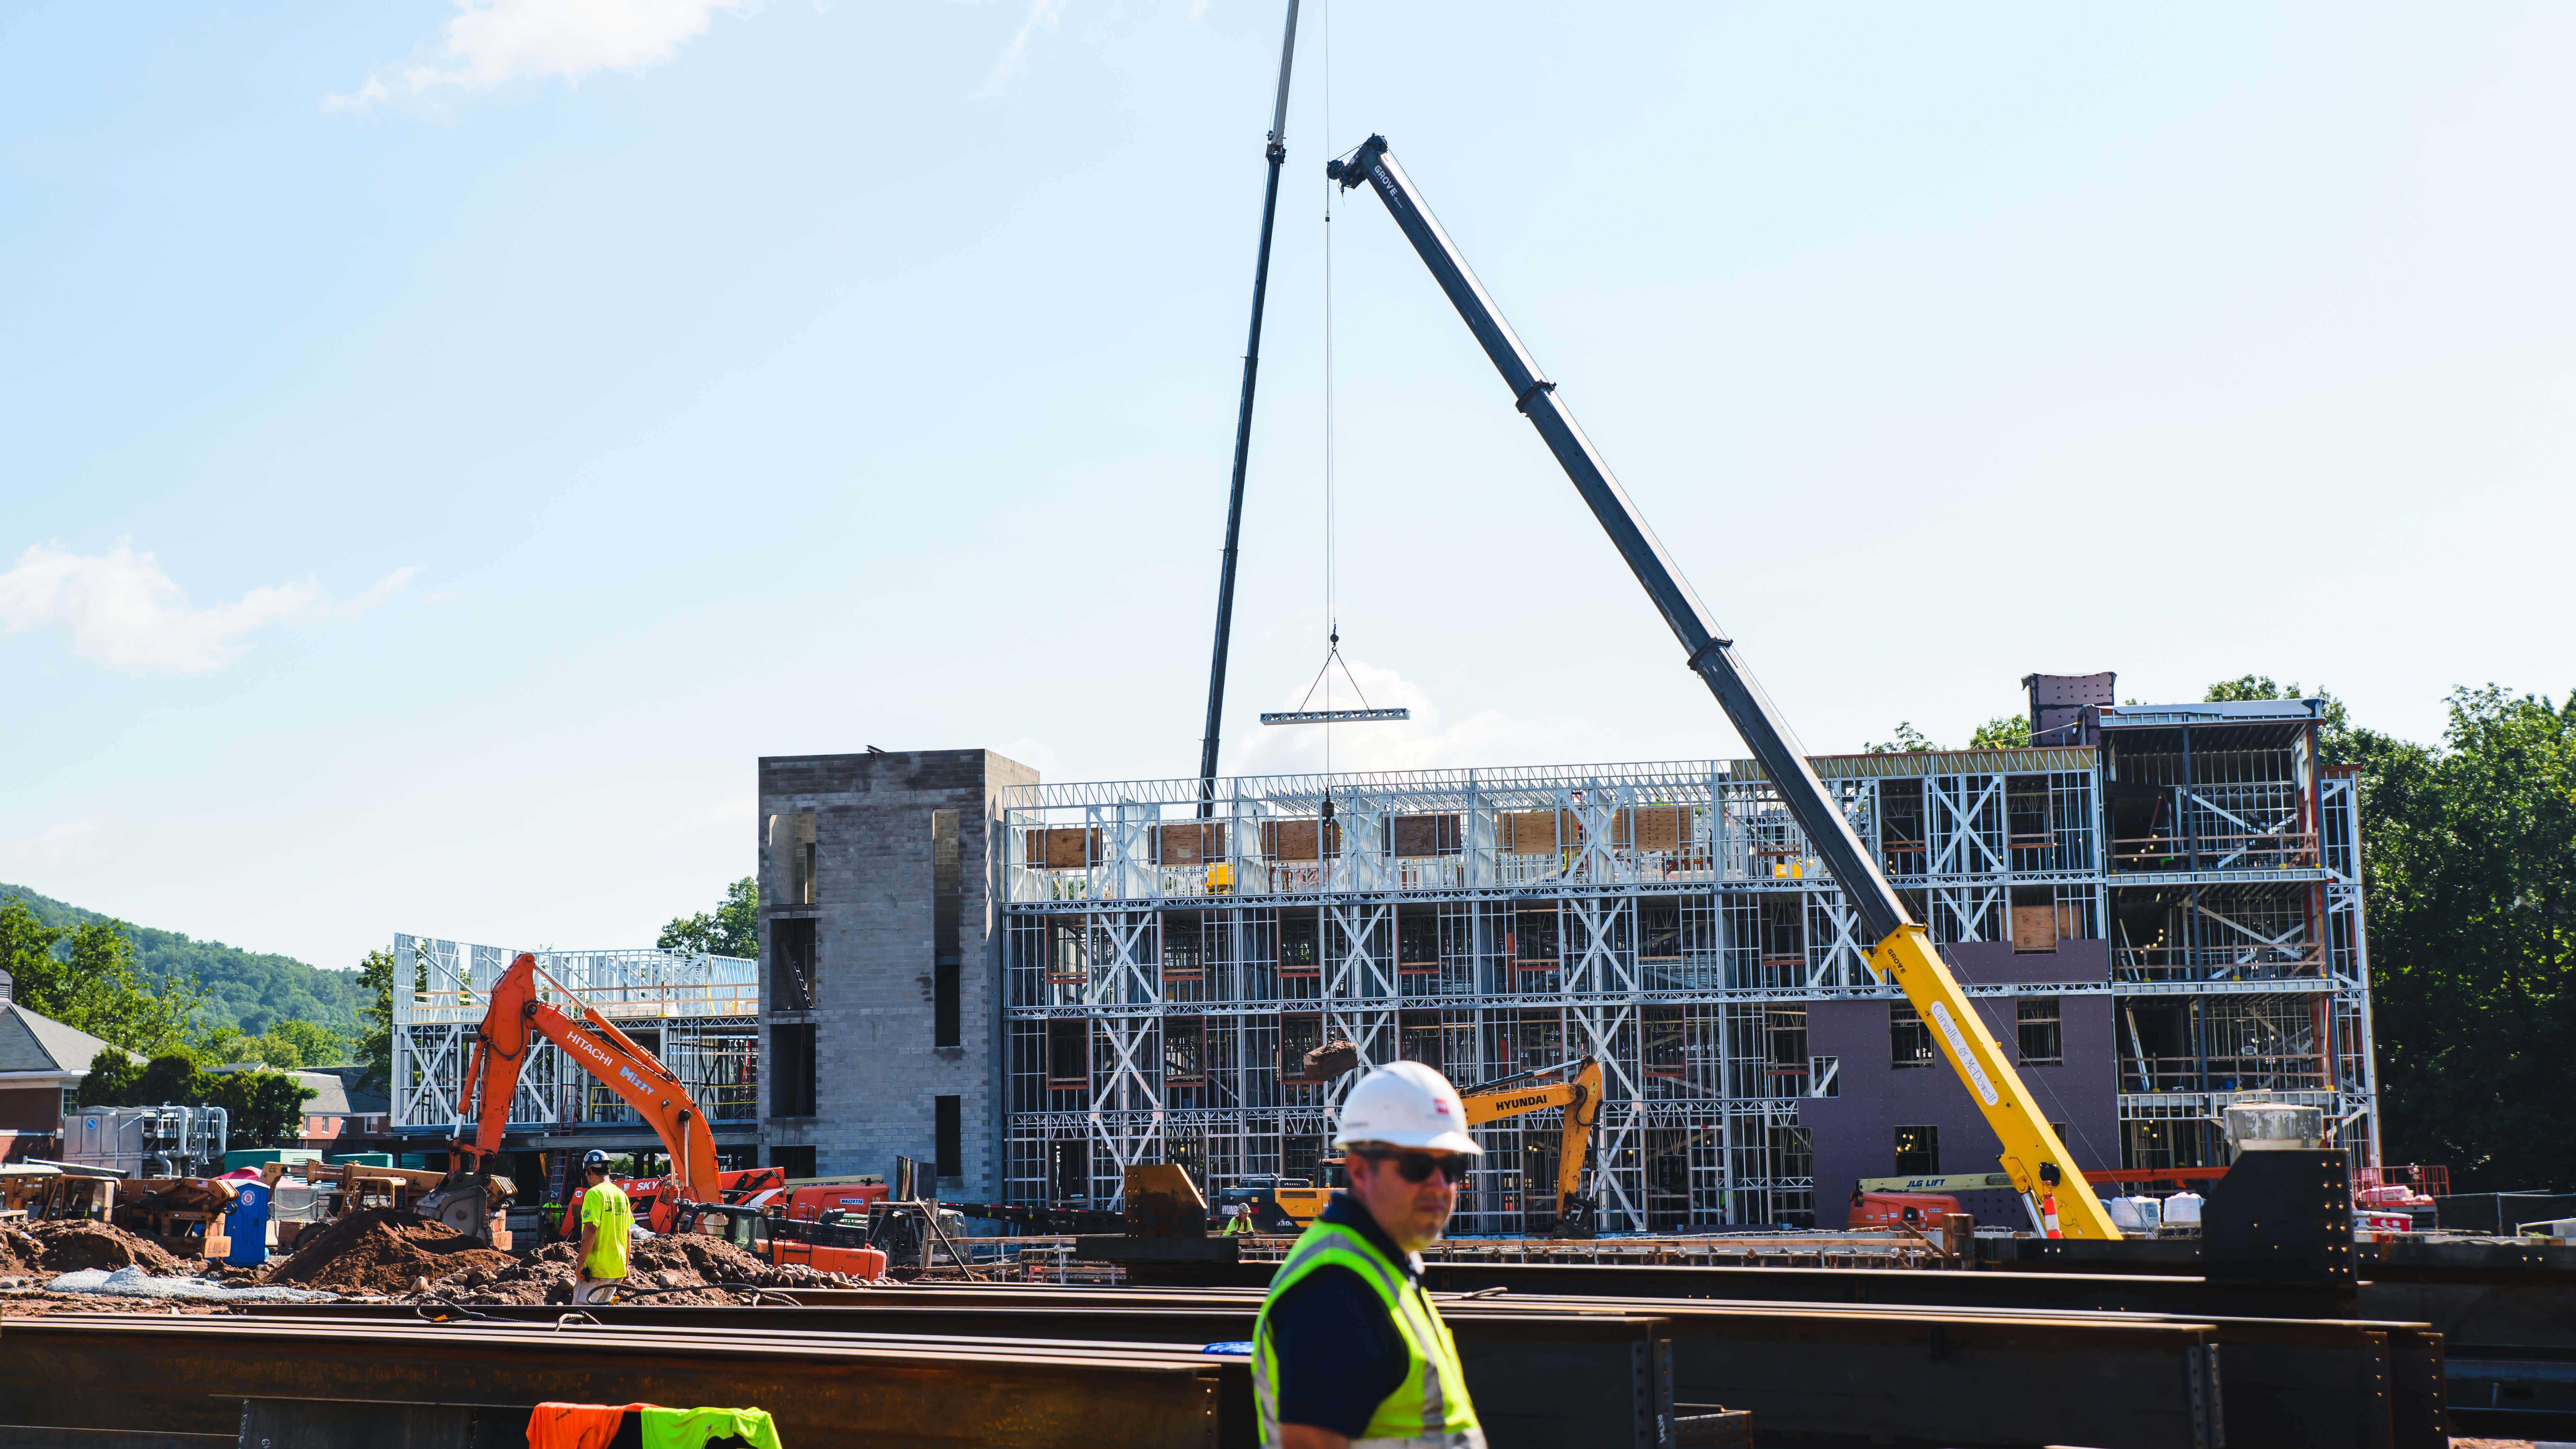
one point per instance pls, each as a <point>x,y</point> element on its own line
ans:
<point>2048,1215</point>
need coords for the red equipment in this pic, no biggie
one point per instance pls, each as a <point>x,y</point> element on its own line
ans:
<point>1927,1211</point>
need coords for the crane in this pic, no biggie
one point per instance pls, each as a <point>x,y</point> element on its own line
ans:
<point>2039,1165</point>
<point>1274,151</point>
<point>513,1021</point>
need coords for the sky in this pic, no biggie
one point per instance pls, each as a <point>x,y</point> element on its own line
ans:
<point>443,445</point>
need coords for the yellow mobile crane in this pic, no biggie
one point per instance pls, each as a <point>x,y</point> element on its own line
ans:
<point>2037,1163</point>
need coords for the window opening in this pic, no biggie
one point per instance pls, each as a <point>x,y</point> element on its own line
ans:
<point>1909,1036</point>
<point>1918,1151</point>
<point>2042,1042</point>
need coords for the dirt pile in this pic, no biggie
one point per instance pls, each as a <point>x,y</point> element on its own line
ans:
<point>688,1262</point>
<point>69,1246</point>
<point>18,1253</point>
<point>380,1250</point>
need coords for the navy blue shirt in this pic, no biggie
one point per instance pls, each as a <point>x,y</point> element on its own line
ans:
<point>1339,1355</point>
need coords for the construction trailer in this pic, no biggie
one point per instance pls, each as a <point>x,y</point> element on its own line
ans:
<point>1034,986</point>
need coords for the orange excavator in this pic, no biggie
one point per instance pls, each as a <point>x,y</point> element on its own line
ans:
<point>512,1023</point>
<point>696,1197</point>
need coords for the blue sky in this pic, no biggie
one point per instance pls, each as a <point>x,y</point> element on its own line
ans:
<point>443,446</point>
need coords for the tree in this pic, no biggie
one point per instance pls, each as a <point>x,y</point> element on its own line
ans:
<point>2471,890</point>
<point>376,1012</point>
<point>733,930</point>
<point>1908,741</point>
<point>86,978</point>
<point>294,1046</point>
<point>27,954</point>
<point>2003,732</point>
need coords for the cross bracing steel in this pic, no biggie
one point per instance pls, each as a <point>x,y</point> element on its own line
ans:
<point>698,1013</point>
<point>1667,917</point>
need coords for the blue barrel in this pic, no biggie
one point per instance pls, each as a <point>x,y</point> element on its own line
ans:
<point>247,1225</point>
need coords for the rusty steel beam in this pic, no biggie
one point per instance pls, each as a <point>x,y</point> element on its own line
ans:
<point>192,1374</point>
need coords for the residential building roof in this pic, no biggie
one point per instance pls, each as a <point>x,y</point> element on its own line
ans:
<point>30,1042</point>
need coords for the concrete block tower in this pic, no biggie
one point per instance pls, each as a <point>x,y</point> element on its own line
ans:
<point>881,971</point>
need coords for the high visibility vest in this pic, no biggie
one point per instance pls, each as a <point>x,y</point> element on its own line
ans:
<point>1431,1406</point>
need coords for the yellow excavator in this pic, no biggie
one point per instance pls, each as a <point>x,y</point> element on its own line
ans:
<point>1287,1205</point>
<point>1902,952</point>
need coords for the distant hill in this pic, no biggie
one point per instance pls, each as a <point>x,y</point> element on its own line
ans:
<point>249,989</point>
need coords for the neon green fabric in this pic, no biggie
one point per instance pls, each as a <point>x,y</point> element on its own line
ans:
<point>605,1207</point>
<point>692,1428</point>
<point>1431,1406</point>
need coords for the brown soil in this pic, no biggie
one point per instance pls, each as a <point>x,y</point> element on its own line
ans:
<point>67,1247</point>
<point>18,1253</point>
<point>688,1262</point>
<point>383,1251</point>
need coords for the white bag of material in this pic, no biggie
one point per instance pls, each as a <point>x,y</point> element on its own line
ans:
<point>2183,1207</point>
<point>2135,1214</point>
<point>133,1282</point>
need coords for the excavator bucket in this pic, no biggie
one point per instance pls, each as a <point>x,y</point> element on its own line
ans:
<point>465,1202</point>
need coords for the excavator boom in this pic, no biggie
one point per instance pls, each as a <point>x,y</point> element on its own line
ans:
<point>1574,1086</point>
<point>515,1019</point>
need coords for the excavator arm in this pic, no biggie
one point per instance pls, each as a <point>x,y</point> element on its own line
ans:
<point>515,1019</point>
<point>1577,1089</point>
<point>1903,954</point>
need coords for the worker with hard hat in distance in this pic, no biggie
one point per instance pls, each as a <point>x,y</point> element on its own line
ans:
<point>607,1229</point>
<point>1348,1349</point>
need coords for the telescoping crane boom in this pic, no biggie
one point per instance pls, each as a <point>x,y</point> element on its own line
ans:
<point>512,1022</point>
<point>2037,1163</point>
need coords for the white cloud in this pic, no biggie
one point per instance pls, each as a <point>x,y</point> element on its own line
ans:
<point>490,43</point>
<point>1425,742</point>
<point>1046,10</point>
<point>121,609</point>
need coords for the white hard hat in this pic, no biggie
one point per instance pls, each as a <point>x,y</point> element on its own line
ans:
<point>1406,1104</point>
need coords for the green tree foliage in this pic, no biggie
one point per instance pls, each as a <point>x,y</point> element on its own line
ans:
<point>733,930</point>
<point>2472,911</point>
<point>247,989</point>
<point>86,977</point>
<point>1908,741</point>
<point>376,1015</point>
<point>261,1109</point>
<point>2003,732</point>
<point>289,1046</point>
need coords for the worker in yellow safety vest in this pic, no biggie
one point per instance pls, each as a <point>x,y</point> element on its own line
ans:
<point>1349,1349</point>
<point>607,1229</point>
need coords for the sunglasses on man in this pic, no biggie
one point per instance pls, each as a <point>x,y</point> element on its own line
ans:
<point>1418,1166</point>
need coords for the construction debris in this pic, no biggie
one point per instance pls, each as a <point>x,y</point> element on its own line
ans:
<point>51,1248</point>
<point>383,1250</point>
<point>136,1283</point>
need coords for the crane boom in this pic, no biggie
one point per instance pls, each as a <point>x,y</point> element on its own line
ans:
<point>1275,151</point>
<point>512,1021</point>
<point>2037,1162</point>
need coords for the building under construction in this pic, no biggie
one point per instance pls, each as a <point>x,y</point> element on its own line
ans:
<point>1030,986</point>
<point>699,1014</point>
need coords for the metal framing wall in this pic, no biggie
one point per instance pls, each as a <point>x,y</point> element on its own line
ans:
<point>1666,918</point>
<point>699,1014</point>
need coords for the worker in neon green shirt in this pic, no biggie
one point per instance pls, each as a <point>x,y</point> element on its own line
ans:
<point>607,1225</point>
